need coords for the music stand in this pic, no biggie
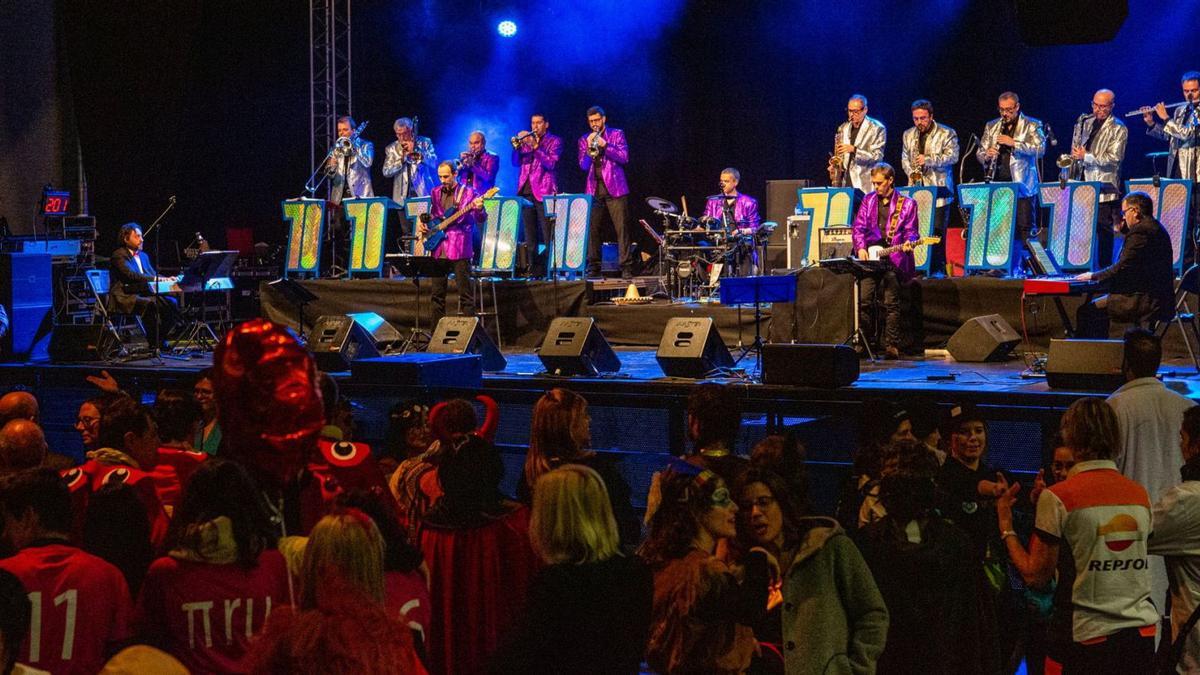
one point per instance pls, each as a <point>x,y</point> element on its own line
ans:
<point>757,290</point>
<point>415,267</point>
<point>207,265</point>
<point>296,294</point>
<point>860,269</point>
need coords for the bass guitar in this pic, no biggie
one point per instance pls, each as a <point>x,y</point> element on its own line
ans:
<point>879,252</point>
<point>434,237</point>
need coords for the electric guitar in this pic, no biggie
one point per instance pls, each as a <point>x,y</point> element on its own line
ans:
<point>434,237</point>
<point>879,252</point>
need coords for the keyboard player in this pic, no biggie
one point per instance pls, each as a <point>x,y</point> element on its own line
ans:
<point>131,276</point>
<point>1141,282</point>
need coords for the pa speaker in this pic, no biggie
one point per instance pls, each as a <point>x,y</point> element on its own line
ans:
<point>575,346</point>
<point>71,343</point>
<point>384,334</point>
<point>983,338</point>
<point>1085,365</point>
<point>337,341</point>
<point>824,366</point>
<point>27,292</point>
<point>691,347</point>
<point>465,335</point>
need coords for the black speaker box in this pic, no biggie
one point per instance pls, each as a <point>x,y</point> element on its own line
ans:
<point>983,338</point>
<point>465,335</point>
<point>71,343</point>
<point>691,347</point>
<point>575,346</point>
<point>337,340</point>
<point>384,334</point>
<point>824,366</point>
<point>1085,365</point>
<point>446,371</point>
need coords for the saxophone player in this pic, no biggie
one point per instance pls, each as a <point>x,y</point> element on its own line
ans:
<point>860,141</point>
<point>536,153</point>
<point>1098,146</point>
<point>410,161</point>
<point>1011,147</point>
<point>929,151</point>
<point>603,154</point>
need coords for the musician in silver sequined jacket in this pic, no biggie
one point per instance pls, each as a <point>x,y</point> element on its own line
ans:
<point>1029,144</point>
<point>940,153</point>
<point>867,143</point>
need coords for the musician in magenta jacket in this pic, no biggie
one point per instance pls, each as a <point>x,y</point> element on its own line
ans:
<point>603,154</point>
<point>536,154</point>
<point>885,218</point>
<point>745,208</point>
<point>457,248</point>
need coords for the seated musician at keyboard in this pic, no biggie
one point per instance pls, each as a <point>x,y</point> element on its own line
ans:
<point>130,275</point>
<point>1141,281</point>
<point>886,218</point>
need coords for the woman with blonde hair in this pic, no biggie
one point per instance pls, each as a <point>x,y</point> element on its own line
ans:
<point>559,434</point>
<point>341,624</point>
<point>588,611</point>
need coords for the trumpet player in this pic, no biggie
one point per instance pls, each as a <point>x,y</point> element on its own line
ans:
<point>350,164</point>
<point>478,165</point>
<point>410,161</point>
<point>1097,150</point>
<point>536,153</point>
<point>603,154</point>
<point>1181,129</point>
<point>859,144</point>
<point>1010,150</point>
<point>928,153</point>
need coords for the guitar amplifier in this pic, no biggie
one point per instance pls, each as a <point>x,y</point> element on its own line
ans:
<point>835,242</point>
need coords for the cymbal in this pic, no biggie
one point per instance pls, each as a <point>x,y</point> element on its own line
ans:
<point>660,204</point>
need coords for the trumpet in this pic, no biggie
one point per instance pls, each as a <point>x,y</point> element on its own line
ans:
<point>467,159</point>
<point>593,145</point>
<point>1150,108</point>
<point>520,138</point>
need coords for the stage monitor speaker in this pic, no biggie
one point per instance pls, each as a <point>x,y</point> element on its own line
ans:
<point>384,334</point>
<point>823,366</point>
<point>27,292</point>
<point>575,346</point>
<point>1048,24</point>
<point>691,347</point>
<point>983,338</point>
<point>337,340</point>
<point>74,343</point>
<point>1085,365</point>
<point>465,335</point>
<point>438,371</point>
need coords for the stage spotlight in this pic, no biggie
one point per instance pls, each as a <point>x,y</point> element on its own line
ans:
<point>506,28</point>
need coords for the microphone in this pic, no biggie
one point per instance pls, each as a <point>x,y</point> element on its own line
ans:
<point>1050,134</point>
<point>199,237</point>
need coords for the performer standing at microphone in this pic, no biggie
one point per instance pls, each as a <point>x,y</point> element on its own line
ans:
<point>1011,147</point>
<point>737,212</point>
<point>457,249</point>
<point>536,152</point>
<point>1182,130</point>
<point>860,141</point>
<point>928,153</point>
<point>1098,146</point>
<point>603,154</point>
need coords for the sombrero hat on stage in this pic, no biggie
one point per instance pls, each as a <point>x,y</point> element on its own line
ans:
<point>632,297</point>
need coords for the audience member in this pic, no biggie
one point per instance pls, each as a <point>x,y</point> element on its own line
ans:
<point>560,434</point>
<point>15,615</point>
<point>178,418</point>
<point>702,615</point>
<point>1105,519</point>
<point>115,528</point>
<point>835,617</point>
<point>1149,416</point>
<point>408,434</point>
<point>883,424</point>
<point>927,574</point>
<point>588,610</point>
<point>141,659</point>
<point>81,601</point>
<point>208,439</point>
<point>217,585</point>
<point>783,455</point>
<point>87,422</point>
<point>18,405</point>
<point>927,419</point>
<point>969,484</point>
<point>341,624</point>
<point>22,446</point>
<point>464,537</point>
<point>1177,539</point>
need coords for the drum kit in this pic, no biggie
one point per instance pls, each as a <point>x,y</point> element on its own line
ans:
<point>694,253</point>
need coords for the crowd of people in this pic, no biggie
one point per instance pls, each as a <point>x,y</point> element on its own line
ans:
<point>287,546</point>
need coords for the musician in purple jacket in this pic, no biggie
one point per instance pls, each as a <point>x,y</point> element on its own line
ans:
<point>885,218</point>
<point>738,214</point>
<point>536,152</point>
<point>457,248</point>
<point>603,154</point>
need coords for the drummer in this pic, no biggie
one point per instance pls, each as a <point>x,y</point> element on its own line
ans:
<point>736,214</point>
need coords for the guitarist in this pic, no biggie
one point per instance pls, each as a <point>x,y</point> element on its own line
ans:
<point>457,249</point>
<point>885,218</point>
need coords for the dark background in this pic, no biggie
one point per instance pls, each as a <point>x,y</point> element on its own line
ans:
<point>208,101</point>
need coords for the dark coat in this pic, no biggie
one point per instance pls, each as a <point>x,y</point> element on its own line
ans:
<point>1142,280</point>
<point>126,283</point>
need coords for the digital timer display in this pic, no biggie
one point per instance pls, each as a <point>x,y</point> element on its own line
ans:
<point>55,202</point>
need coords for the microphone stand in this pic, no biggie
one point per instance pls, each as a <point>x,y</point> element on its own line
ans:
<point>156,346</point>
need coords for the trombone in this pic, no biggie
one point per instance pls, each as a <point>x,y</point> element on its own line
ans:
<point>342,146</point>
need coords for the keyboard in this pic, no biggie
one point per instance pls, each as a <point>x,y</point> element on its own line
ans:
<point>1061,285</point>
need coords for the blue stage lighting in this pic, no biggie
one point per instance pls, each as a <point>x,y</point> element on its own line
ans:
<point>506,28</point>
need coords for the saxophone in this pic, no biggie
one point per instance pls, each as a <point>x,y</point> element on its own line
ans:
<point>837,173</point>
